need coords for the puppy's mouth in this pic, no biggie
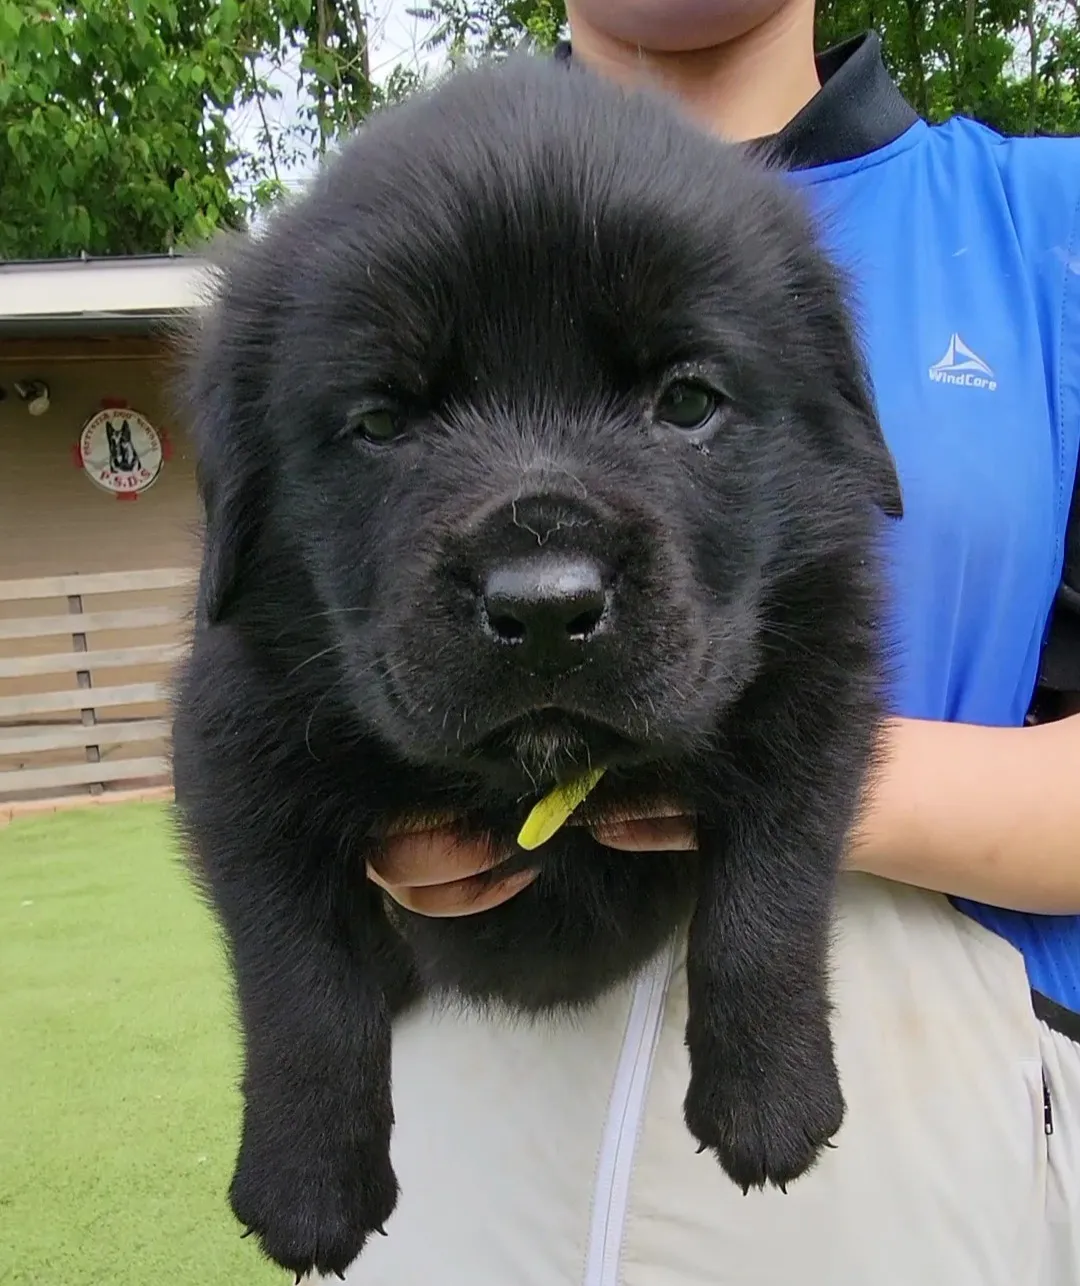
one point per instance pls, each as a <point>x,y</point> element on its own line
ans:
<point>551,746</point>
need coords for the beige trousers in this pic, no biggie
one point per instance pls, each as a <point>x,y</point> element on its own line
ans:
<point>555,1154</point>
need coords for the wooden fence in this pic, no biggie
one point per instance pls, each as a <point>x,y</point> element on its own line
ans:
<point>85,663</point>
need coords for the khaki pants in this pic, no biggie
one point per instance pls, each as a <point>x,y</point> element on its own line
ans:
<point>554,1154</point>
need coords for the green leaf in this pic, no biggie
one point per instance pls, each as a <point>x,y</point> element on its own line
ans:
<point>81,225</point>
<point>124,106</point>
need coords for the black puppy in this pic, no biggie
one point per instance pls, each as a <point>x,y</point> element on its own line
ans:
<point>534,437</point>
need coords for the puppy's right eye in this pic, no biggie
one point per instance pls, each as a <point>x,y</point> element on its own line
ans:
<point>687,405</point>
<point>376,424</point>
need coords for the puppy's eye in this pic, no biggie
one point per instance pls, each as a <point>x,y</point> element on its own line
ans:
<point>687,405</point>
<point>377,424</point>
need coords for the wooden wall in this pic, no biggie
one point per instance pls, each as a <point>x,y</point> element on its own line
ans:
<point>94,591</point>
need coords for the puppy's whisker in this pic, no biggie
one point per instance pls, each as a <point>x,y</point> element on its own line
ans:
<point>317,616</point>
<point>771,631</point>
<point>311,718</point>
<point>315,656</point>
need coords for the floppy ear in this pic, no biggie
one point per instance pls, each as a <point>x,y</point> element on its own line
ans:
<point>230,468</point>
<point>853,428</point>
<point>226,482</point>
<point>865,438</point>
<point>824,296</point>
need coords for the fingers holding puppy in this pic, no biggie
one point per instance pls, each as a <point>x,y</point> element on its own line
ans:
<point>433,872</point>
<point>662,831</point>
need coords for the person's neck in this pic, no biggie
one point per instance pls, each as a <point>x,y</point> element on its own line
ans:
<point>746,88</point>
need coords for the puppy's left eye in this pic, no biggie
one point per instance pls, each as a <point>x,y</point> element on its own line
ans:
<point>375,424</point>
<point>687,405</point>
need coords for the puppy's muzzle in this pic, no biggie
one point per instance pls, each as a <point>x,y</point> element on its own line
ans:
<point>548,610</point>
<point>542,573</point>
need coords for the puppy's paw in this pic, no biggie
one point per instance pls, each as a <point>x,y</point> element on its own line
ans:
<point>766,1130</point>
<point>316,1216</point>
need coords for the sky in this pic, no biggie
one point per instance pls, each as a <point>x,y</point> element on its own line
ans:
<point>395,37</point>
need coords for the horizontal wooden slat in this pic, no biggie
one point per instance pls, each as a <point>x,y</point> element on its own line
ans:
<point>82,699</point>
<point>96,583</point>
<point>132,618</point>
<point>20,667</point>
<point>26,779</point>
<point>24,741</point>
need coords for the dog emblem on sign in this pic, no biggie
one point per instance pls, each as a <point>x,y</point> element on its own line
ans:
<point>121,451</point>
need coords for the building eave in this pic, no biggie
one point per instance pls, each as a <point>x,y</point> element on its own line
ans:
<point>124,295</point>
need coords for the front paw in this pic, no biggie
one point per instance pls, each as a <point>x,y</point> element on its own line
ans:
<point>315,1213</point>
<point>768,1127</point>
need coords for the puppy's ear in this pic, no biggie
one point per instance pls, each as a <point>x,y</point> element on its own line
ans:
<point>227,482</point>
<point>865,438</point>
<point>843,390</point>
<point>231,470</point>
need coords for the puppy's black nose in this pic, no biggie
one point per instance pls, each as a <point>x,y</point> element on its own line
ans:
<point>546,608</point>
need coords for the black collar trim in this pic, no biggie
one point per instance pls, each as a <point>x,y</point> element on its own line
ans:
<point>858,109</point>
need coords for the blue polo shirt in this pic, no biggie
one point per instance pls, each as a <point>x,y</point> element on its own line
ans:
<point>964,250</point>
<point>964,247</point>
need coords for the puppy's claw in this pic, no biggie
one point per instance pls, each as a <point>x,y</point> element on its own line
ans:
<point>246,1233</point>
<point>382,1233</point>
<point>700,1149</point>
<point>783,1188</point>
<point>339,1275</point>
<point>745,1188</point>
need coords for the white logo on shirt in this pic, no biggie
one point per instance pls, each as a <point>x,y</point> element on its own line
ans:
<point>961,366</point>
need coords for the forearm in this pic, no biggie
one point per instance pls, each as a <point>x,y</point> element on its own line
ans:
<point>991,814</point>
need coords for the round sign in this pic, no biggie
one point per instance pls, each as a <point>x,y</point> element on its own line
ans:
<point>121,451</point>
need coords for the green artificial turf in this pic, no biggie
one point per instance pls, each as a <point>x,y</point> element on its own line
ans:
<point>118,1061</point>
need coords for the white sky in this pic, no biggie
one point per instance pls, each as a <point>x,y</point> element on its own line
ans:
<point>395,39</point>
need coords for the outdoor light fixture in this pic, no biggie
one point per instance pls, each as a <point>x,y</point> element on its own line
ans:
<point>35,393</point>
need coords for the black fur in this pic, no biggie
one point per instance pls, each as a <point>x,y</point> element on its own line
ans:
<point>516,265</point>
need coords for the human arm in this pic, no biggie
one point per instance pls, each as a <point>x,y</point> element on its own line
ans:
<point>991,814</point>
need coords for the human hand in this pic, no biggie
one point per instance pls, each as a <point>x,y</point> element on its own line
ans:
<point>433,873</point>
<point>428,870</point>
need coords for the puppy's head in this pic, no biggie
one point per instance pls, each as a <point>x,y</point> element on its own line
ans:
<point>537,385</point>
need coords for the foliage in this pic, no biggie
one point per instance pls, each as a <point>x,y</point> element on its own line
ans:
<point>492,26</point>
<point>1013,64</point>
<point>116,115</point>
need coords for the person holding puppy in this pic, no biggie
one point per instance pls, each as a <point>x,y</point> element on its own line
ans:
<point>556,1154</point>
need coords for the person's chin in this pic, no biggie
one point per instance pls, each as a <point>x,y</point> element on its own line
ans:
<point>677,26</point>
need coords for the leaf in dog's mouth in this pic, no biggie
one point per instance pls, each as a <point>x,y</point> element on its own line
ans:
<point>549,815</point>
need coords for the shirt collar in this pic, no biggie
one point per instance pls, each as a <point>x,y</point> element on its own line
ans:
<point>858,109</point>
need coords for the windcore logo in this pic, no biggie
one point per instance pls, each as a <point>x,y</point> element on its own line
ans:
<point>961,366</point>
